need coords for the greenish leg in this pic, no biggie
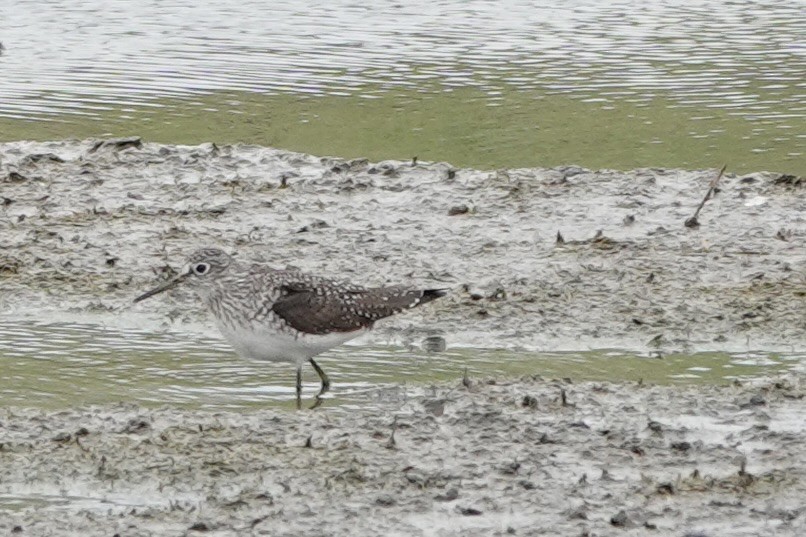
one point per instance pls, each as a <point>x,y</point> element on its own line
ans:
<point>325,383</point>
<point>299,387</point>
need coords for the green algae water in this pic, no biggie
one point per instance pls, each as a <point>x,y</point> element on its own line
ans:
<point>54,366</point>
<point>506,84</point>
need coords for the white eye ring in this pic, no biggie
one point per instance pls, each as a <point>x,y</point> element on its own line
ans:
<point>201,269</point>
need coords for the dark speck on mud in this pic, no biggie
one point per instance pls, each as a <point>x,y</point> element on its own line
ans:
<point>87,225</point>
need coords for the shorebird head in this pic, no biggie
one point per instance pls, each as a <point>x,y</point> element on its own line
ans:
<point>203,266</point>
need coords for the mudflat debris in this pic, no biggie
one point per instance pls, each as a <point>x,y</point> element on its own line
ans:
<point>86,225</point>
<point>562,258</point>
<point>632,459</point>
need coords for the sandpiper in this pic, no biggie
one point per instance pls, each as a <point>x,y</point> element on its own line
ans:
<point>287,315</point>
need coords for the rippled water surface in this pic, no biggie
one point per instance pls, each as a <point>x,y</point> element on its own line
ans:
<point>59,365</point>
<point>720,61</point>
<point>721,53</point>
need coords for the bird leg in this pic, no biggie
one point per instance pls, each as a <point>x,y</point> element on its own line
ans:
<point>323,376</point>
<point>325,383</point>
<point>299,387</point>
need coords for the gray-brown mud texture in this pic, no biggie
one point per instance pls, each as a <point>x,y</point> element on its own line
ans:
<point>526,457</point>
<point>85,226</point>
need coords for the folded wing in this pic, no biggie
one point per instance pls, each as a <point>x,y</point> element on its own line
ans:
<point>321,309</point>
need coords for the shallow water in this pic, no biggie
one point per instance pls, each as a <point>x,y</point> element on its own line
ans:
<point>87,56</point>
<point>62,365</point>
<point>82,496</point>
<point>723,80</point>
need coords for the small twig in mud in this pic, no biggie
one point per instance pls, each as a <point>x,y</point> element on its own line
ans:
<point>564,398</point>
<point>693,222</point>
<point>391,444</point>
<point>465,380</point>
<point>257,521</point>
<point>745,478</point>
<point>102,465</point>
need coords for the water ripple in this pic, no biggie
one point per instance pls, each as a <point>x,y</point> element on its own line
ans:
<point>84,57</point>
<point>61,365</point>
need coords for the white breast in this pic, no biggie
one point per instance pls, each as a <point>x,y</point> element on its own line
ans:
<point>283,347</point>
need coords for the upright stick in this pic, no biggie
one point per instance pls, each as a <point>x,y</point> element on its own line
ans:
<point>692,222</point>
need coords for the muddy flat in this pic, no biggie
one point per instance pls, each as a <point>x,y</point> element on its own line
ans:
<point>555,258</point>
<point>520,457</point>
<point>547,259</point>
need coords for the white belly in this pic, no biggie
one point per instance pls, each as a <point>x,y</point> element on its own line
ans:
<point>280,347</point>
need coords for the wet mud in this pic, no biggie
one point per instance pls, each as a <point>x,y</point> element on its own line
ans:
<point>559,259</point>
<point>517,457</point>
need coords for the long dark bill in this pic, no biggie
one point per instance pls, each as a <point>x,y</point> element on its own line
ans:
<point>164,287</point>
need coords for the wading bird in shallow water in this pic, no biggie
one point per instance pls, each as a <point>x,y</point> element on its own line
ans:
<point>287,315</point>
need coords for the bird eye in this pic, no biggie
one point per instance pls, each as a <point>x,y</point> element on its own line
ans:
<point>201,268</point>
